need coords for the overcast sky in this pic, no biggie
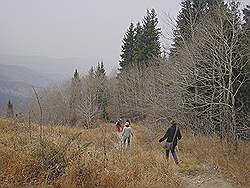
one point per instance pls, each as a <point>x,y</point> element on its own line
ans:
<point>89,29</point>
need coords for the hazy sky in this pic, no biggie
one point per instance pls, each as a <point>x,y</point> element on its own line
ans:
<point>89,29</point>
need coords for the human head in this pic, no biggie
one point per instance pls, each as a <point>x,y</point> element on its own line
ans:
<point>127,121</point>
<point>127,124</point>
<point>173,123</point>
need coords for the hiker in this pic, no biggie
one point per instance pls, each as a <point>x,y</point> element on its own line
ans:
<point>172,135</point>
<point>127,133</point>
<point>118,125</point>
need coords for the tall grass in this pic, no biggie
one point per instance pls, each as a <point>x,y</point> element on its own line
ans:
<point>93,159</point>
<point>198,150</point>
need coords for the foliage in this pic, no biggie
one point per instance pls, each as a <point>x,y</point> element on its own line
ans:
<point>141,44</point>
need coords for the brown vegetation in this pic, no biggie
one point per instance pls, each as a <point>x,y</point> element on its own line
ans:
<point>74,157</point>
<point>61,159</point>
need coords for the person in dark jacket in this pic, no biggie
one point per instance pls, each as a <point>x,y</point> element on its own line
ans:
<point>172,136</point>
<point>118,125</point>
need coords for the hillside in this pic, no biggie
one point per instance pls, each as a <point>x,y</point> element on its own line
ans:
<point>75,157</point>
<point>16,84</point>
<point>16,73</point>
<point>18,92</point>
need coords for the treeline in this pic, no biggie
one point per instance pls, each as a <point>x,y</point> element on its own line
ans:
<point>203,83</point>
<point>80,101</point>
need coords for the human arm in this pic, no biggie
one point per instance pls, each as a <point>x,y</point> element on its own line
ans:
<point>123,131</point>
<point>165,136</point>
<point>179,136</point>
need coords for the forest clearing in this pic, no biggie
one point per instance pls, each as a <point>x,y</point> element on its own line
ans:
<point>76,157</point>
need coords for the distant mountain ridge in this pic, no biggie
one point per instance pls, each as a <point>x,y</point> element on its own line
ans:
<point>18,74</point>
<point>16,84</point>
<point>63,67</point>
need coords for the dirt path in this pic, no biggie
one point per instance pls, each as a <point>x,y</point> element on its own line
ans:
<point>205,177</point>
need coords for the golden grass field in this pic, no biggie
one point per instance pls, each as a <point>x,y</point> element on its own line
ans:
<point>94,158</point>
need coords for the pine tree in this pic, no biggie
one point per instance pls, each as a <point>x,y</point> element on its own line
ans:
<point>188,20</point>
<point>91,72</point>
<point>245,41</point>
<point>10,111</point>
<point>246,31</point>
<point>100,78</point>
<point>246,37</point>
<point>75,97</point>
<point>103,97</point>
<point>76,75</point>
<point>97,72</point>
<point>150,37</point>
<point>142,43</point>
<point>246,17</point>
<point>222,23</point>
<point>102,70</point>
<point>138,47</point>
<point>127,53</point>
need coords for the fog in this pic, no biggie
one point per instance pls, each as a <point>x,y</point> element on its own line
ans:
<point>89,30</point>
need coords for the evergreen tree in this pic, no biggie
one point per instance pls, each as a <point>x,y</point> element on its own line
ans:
<point>97,72</point>
<point>138,47</point>
<point>185,25</point>
<point>188,20</point>
<point>10,111</point>
<point>150,37</point>
<point>246,37</point>
<point>103,97</point>
<point>222,48</point>
<point>245,41</point>
<point>100,78</point>
<point>127,53</point>
<point>76,75</point>
<point>75,97</point>
<point>91,72</point>
<point>100,71</point>
<point>142,43</point>
<point>246,33</point>
<point>246,17</point>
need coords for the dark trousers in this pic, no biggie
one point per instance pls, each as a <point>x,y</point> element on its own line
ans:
<point>126,140</point>
<point>166,154</point>
<point>119,128</point>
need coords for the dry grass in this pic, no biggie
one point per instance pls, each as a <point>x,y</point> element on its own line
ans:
<point>211,151</point>
<point>94,159</point>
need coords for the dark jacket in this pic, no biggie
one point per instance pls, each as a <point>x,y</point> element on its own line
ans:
<point>170,134</point>
<point>118,123</point>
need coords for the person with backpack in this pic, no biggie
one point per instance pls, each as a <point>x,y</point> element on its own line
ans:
<point>171,136</point>
<point>127,133</point>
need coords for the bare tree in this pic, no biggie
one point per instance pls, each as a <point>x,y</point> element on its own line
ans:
<point>56,108</point>
<point>213,73</point>
<point>88,104</point>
